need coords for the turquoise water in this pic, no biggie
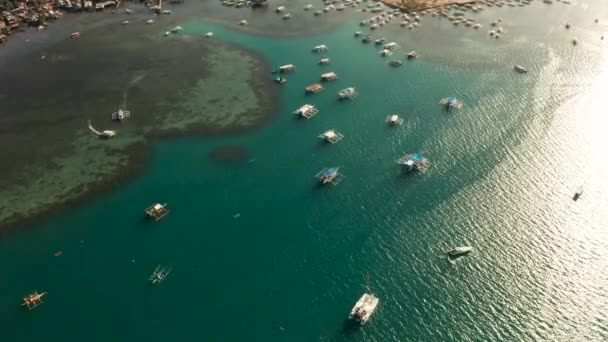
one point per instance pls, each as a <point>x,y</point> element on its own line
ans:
<point>294,260</point>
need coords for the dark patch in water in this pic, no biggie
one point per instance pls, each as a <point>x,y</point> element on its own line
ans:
<point>229,155</point>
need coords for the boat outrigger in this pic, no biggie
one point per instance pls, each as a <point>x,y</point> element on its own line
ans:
<point>364,308</point>
<point>314,88</point>
<point>103,135</point>
<point>348,93</point>
<point>159,274</point>
<point>394,120</point>
<point>33,300</point>
<point>451,102</point>
<point>414,161</point>
<point>330,175</point>
<point>121,115</point>
<point>157,211</point>
<point>306,111</point>
<point>578,193</point>
<point>458,251</point>
<point>331,136</point>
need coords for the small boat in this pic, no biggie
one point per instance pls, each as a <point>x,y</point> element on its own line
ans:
<point>395,63</point>
<point>358,33</point>
<point>324,61</point>
<point>150,21</point>
<point>340,7</point>
<point>159,274</point>
<point>128,11</point>
<point>451,102</point>
<point>121,115</point>
<point>306,111</point>
<point>412,55</point>
<point>394,120</point>
<point>457,251</point>
<point>243,23</point>
<point>574,42</point>
<point>390,46</point>
<point>167,12</point>
<point>329,76</point>
<point>314,88</point>
<point>177,29</point>
<point>414,161</point>
<point>166,34</point>
<point>104,134</point>
<point>280,9</point>
<point>280,80</point>
<point>367,39</point>
<point>330,175</point>
<point>157,211</point>
<point>287,68</point>
<point>578,193</point>
<point>33,300</point>
<point>209,34</point>
<point>75,35</point>
<point>286,16</point>
<point>320,48</point>
<point>380,41</point>
<point>476,26</point>
<point>347,93</point>
<point>331,136</point>
<point>520,69</point>
<point>364,308</point>
<point>386,52</point>
<point>308,7</point>
<point>125,22</point>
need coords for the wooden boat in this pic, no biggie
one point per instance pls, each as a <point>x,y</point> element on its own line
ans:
<point>157,211</point>
<point>33,300</point>
<point>314,88</point>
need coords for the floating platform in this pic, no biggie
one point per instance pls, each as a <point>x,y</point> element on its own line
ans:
<point>330,176</point>
<point>157,211</point>
<point>331,136</point>
<point>306,111</point>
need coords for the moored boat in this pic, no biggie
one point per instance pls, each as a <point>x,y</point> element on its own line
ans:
<point>520,69</point>
<point>395,63</point>
<point>364,308</point>
<point>457,251</point>
<point>578,193</point>
<point>347,93</point>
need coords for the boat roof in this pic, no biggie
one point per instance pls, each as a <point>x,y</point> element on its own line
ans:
<point>330,171</point>
<point>315,86</point>
<point>329,74</point>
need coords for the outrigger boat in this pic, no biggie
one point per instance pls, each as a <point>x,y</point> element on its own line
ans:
<point>451,102</point>
<point>578,193</point>
<point>457,251</point>
<point>348,93</point>
<point>157,211</point>
<point>394,120</point>
<point>367,39</point>
<point>287,68</point>
<point>159,274</point>
<point>331,136</point>
<point>324,61</point>
<point>314,88</point>
<point>330,175</point>
<point>320,48</point>
<point>102,135</point>
<point>329,76</point>
<point>395,63</point>
<point>33,300</point>
<point>120,115</point>
<point>306,111</point>
<point>364,308</point>
<point>520,69</point>
<point>414,161</point>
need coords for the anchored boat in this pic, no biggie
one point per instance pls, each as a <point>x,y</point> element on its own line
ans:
<point>457,251</point>
<point>520,69</point>
<point>320,48</point>
<point>330,175</point>
<point>33,300</point>
<point>157,211</point>
<point>103,135</point>
<point>412,55</point>
<point>364,308</point>
<point>414,161</point>
<point>159,274</point>
<point>347,93</point>
<point>306,111</point>
<point>451,102</point>
<point>331,136</point>
<point>314,88</point>
<point>394,120</point>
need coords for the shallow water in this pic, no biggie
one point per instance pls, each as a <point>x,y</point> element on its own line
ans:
<point>260,252</point>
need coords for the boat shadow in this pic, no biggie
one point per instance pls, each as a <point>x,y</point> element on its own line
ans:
<point>349,328</point>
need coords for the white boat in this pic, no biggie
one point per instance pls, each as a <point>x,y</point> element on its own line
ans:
<point>177,29</point>
<point>287,16</point>
<point>150,21</point>
<point>243,22</point>
<point>364,308</point>
<point>320,48</point>
<point>280,9</point>
<point>308,7</point>
<point>394,120</point>
<point>459,251</point>
<point>386,52</point>
<point>287,68</point>
<point>348,93</point>
<point>520,69</point>
<point>209,34</point>
<point>324,61</point>
<point>166,12</point>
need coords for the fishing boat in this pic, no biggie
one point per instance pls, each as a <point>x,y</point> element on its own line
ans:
<point>414,161</point>
<point>395,63</point>
<point>150,21</point>
<point>457,251</point>
<point>386,52</point>
<point>160,274</point>
<point>308,7</point>
<point>329,76</point>
<point>306,111</point>
<point>75,35</point>
<point>209,34</point>
<point>330,175</point>
<point>390,46</point>
<point>380,41</point>
<point>324,61</point>
<point>348,93</point>
<point>358,33</point>
<point>157,211</point>
<point>331,136</point>
<point>280,80</point>
<point>412,55</point>
<point>578,193</point>
<point>287,68</point>
<point>103,135</point>
<point>451,102</point>
<point>364,308</point>
<point>314,88</point>
<point>177,29</point>
<point>520,69</point>
<point>394,120</point>
<point>367,39</point>
<point>320,48</point>
<point>33,300</point>
<point>121,115</point>
<point>280,9</point>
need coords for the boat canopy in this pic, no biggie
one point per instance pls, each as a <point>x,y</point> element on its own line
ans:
<point>330,172</point>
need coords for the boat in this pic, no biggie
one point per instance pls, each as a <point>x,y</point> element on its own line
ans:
<point>280,80</point>
<point>243,23</point>
<point>324,61</point>
<point>520,69</point>
<point>33,300</point>
<point>287,16</point>
<point>125,22</point>
<point>209,34</point>
<point>314,88</point>
<point>159,274</point>
<point>380,41</point>
<point>457,251</point>
<point>332,136</point>
<point>308,7</point>
<point>340,7</point>
<point>280,9</point>
<point>348,93</point>
<point>390,46</point>
<point>330,175</point>
<point>320,48</point>
<point>578,193</point>
<point>121,115</point>
<point>306,111</point>
<point>103,135</point>
<point>367,39</point>
<point>414,161</point>
<point>395,63</point>
<point>177,29</point>
<point>364,308</point>
<point>386,52</point>
<point>412,55</point>
<point>451,102</point>
<point>157,211</point>
<point>75,35</point>
<point>574,42</point>
<point>358,33</point>
<point>329,76</point>
<point>287,68</point>
<point>150,21</point>
<point>394,120</point>
<point>167,12</point>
